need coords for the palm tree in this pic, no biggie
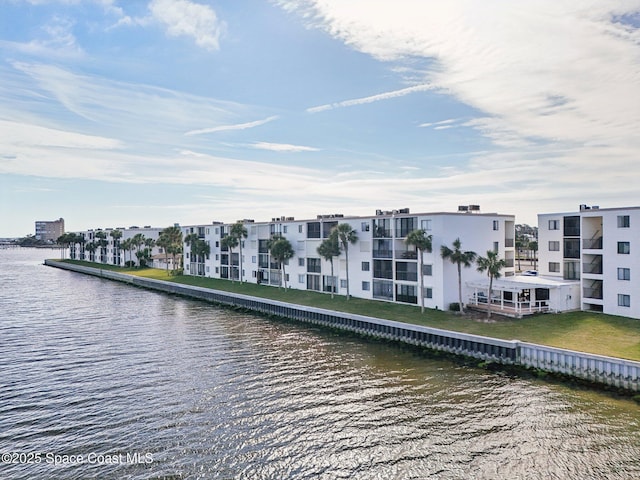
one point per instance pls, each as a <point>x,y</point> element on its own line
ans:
<point>492,264</point>
<point>281,251</point>
<point>346,235</point>
<point>127,246</point>
<point>137,241</point>
<point>173,241</point>
<point>201,251</point>
<point>163,242</point>
<point>230,242</point>
<point>116,235</point>
<point>460,258</point>
<point>91,247</point>
<point>102,244</point>
<point>422,242</point>
<point>328,249</point>
<point>64,241</point>
<point>239,231</point>
<point>80,240</point>
<point>191,241</point>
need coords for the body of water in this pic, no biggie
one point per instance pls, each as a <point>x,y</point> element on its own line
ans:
<point>104,380</point>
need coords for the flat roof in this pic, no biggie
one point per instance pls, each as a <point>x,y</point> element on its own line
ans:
<point>519,282</point>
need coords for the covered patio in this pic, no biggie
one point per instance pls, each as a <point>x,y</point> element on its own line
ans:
<point>519,295</point>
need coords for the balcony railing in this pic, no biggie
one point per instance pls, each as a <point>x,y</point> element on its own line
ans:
<point>382,253</point>
<point>592,268</point>
<point>592,293</point>
<point>407,276</point>
<point>509,242</point>
<point>592,243</point>
<point>382,273</point>
<point>409,254</point>
<point>508,262</point>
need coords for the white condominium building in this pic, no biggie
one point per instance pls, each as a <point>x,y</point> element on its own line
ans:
<point>599,247</point>
<point>381,265</point>
<point>105,245</point>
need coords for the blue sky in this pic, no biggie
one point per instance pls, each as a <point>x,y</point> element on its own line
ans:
<point>118,113</point>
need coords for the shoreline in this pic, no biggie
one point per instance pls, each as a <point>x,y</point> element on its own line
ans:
<point>597,370</point>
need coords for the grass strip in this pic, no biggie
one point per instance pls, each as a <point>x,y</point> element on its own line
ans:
<point>589,332</point>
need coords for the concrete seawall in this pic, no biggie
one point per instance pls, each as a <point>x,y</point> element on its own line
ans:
<point>615,372</point>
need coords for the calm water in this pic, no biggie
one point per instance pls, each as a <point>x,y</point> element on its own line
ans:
<point>102,380</point>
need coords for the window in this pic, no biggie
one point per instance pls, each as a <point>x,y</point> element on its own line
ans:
<point>313,230</point>
<point>428,292</point>
<point>554,246</point>
<point>624,247</point>
<point>554,267</point>
<point>554,224</point>
<point>496,224</point>
<point>364,226</point>
<point>301,261</point>
<point>343,283</point>
<point>254,259</point>
<point>624,274</point>
<point>299,228</point>
<point>313,265</point>
<point>571,248</point>
<point>572,226</point>
<point>624,300</point>
<point>365,266</point>
<point>404,226</point>
<point>425,225</point>
<point>427,270</point>
<point>623,221</point>
<point>366,286</point>
<point>284,229</point>
<point>496,246</point>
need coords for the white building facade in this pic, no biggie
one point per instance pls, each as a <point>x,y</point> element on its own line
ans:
<point>112,253</point>
<point>381,265</point>
<point>600,248</point>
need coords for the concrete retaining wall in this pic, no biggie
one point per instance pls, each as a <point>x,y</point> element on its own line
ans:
<point>598,369</point>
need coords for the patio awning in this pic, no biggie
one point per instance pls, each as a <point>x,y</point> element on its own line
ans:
<point>520,282</point>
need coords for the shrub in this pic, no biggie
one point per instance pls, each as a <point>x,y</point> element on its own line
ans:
<point>129,264</point>
<point>454,307</point>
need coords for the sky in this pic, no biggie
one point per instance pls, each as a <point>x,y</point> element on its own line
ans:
<point>119,113</point>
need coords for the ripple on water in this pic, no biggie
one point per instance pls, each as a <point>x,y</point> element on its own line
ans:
<point>88,365</point>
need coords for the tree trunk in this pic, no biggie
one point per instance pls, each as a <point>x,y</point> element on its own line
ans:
<point>284,276</point>
<point>333,279</point>
<point>421,293</point>
<point>460,307</point>
<point>489,299</point>
<point>346,252</point>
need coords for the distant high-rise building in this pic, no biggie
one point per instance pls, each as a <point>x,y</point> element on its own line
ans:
<point>49,231</point>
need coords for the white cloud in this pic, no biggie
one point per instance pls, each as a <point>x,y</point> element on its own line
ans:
<point>561,73</point>
<point>283,147</point>
<point>373,98</point>
<point>185,18</point>
<point>236,126</point>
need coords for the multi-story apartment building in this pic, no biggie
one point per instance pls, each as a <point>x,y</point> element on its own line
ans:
<point>381,265</point>
<point>108,247</point>
<point>598,247</point>
<point>49,231</point>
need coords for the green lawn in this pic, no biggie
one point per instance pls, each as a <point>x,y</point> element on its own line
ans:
<point>582,331</point>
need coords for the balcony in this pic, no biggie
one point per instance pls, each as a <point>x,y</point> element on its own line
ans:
<point>593,268</point>
<point>592,292</point>
<point>408,254</point>
<point>592,243</point>
<point>382,253</point>
<point>509,242</point>
<point>407,276</point>
<point>508,262</point>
